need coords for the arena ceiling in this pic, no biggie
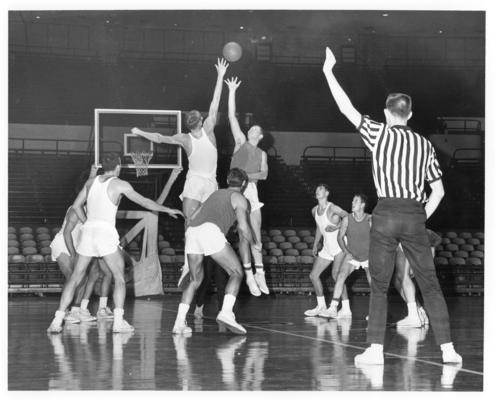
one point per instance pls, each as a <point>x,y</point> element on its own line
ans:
<point>269,22</point>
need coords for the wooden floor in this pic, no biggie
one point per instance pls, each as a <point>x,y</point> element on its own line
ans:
<point>282,350</point>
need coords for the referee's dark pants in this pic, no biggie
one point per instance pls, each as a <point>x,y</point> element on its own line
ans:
<point>403,221</point>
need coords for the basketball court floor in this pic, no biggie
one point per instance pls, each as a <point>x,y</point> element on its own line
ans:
<point>283,350</point>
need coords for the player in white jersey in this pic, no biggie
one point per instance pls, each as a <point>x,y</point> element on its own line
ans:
<point>200,146</point>
<point>64,253</point>
<point>251,159</point>
<point>328,217</point>
<point>99,237</point>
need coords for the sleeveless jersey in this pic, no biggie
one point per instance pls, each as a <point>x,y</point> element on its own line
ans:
<point>358,237</point>
<point>247,158</point>
<point>329,238</point>
<point>218,210</point>
<point>99,206</point>
<point>203,157</point>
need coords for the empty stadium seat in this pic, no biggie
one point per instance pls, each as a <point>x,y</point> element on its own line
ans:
<point>474,241</point>
<point>270,260</point>
<point>44,243</point>
<point>275,252</point>
<point>451,235</point>
<point>467,247</point>
<point>287,260</point>
<point>274,232</point>
<point>439,247</point>
<point>307,252</point>
<point>12,251</point>
<point>43,236</point>
<point>278,238</point>
<point>289,232</point>
<point>12,230</point>
<point>477,253</point>
<point>48,258</point>
<point>291,252</point>
<point>35,258</point>
<point>458,241</point>
<point>285,245</point>
<point>160,237</point>
<point>480,247</point>
<point>263,252</point>
<point>446,254</point>
<point>17,258</point>
<point>269,245</point>
<point>13,243</point>
<point>26,236</point>
<point>306,259</point>
<point>474,261</point>
<point>165,258</point>
<point>25,229</point>
<point>28,243</point>
<point>29,251</point>
<point>45,251</point>
<point>445,241</point>
<point>441,261</point>
<point>465,235</point>
<point>301,246</point>
<point>56,230</point>
<point>457,261</point>
<point>479,235</point>
<point>163,244</point>
<point>265,239</point>
<point>309,240</point>
<point>42,229</point>
<point>451,247</point>
<point>12,236</point>
<point>461,253</point>
<point>179,258</point>
<point>294,239</point>
<point>303,233</point>
<point>167,251</point>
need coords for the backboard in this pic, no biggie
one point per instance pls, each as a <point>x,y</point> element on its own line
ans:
<point>113,134</point>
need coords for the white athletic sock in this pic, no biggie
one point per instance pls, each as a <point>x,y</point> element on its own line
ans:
<point>59,316</point>
<point>334,303</point>
<point>228,303</point>
<point>259,268</point>
<point>345,305</point>
<point>84,304</point>
<point>118,315</point>
<point>321,301</point>
<point>447,347</point>
<point>248,271</point>
<point>182,312</point>
<point>376,347</point>
<point>103,302</point>
<point>74,309</point>
<point>412,309</point>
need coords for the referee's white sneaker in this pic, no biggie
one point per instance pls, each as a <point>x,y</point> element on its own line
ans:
<point>370,356</point>
<point>253,286</point>
<point>314,312</point>
<point>122,327</point>
<point>330,312</point>
<point>228,319</point>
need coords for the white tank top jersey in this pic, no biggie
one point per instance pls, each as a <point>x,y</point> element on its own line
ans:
<point>99,206</point>
<point>203,158</point>
<point>322,221</point>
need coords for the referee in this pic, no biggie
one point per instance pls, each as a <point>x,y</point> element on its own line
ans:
<point>402,162</point>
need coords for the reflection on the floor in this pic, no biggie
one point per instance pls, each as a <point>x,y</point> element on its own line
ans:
<point>282,351</point>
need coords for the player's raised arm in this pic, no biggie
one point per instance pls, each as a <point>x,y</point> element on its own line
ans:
<point>239,137</point>
<point>341,98</point>
<point>211,120</point>
<point>127,190</point>
<point>177,139</point>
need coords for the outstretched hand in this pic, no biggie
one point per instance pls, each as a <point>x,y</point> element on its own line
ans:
<point>174,213</point>
<point>330,61</point>
<point>233,83</point>
<point>221,66</point>
<point>176,171</point>
<point>136,131</point>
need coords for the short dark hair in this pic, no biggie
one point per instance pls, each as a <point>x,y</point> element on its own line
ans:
<point>259,128</point>
<point>109,161</point>
<point>324,186</point>
<point>236,177</point>
<point>363,197</point>
<point>193,119</point>
<point>399,104</point>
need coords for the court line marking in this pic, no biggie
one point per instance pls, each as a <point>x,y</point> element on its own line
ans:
<point>469,371</point>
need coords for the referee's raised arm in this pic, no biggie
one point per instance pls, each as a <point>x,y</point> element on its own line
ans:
<point>341,98</point>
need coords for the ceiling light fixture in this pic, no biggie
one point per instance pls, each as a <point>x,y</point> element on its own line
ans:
<point>241,28</point>
<point>385,15</point>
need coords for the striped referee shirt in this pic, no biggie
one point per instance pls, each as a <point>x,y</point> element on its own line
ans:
<point>402,160</point>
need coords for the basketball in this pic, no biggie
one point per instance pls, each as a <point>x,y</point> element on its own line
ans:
<point>232,51</point>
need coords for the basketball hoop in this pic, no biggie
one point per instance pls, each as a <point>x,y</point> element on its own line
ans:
<point>141,161</point>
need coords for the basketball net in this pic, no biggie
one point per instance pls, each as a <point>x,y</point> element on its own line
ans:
<point>141,161</point>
